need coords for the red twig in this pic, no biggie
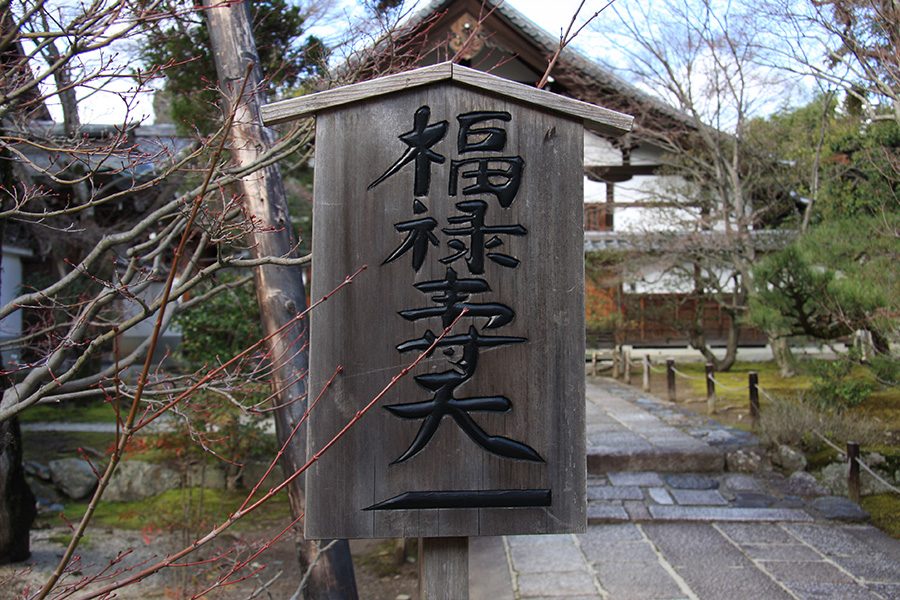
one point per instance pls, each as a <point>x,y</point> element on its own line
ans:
<point>290,438</point>
<point>565,39</point>
<point>234,517</point>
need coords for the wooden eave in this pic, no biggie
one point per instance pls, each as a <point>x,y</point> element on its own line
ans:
<point>576,76</point>
<point>601,120</point>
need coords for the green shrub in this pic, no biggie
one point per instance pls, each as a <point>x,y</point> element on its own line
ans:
<point>222,326</point>
<point>834,389</point>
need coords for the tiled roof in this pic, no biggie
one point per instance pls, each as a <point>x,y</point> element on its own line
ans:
<point>569,56</point>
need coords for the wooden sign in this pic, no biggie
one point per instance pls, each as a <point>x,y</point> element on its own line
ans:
<point>462,194</point>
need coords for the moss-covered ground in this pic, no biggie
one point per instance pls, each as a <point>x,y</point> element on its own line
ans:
<point>192,508</point>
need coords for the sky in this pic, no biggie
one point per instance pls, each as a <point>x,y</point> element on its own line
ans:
<point>109,107</point>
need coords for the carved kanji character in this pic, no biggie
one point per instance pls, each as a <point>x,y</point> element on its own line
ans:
<point>477,233</point>
<point>417,239</point>
<point>484,175</point>
<point>453,299</point>
<point>420,140</point>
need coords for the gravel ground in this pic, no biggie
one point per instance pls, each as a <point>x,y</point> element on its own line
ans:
<point>276,568</point>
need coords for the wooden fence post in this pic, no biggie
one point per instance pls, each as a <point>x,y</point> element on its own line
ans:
<point>754,398</point>
<point>853,471</point>
<point>444,568</point>
<point>646,363</point>
<point>594,363</point>
<point>710,389</point>
<point>670,378</point>
<point>617,367</point>
<point>628,367</point>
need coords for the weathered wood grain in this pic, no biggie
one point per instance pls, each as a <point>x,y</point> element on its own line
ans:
<point>599,119</point>
<point>444,568</point>
<point>359,328</point>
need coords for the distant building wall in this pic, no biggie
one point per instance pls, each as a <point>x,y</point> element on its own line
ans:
<point>11,279</point>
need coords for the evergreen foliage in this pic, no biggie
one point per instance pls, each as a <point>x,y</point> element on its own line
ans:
<point>286,57</point>
<point>220,327</point>
<point>840,276</point>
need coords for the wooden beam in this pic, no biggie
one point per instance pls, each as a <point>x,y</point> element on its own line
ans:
<point>444,568</point>
<point>619,173</point>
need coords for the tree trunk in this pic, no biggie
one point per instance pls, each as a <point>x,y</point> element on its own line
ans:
<point>697,340</point>
<point>17,510</point>
<point>784,358</point>
<point>280,290</point>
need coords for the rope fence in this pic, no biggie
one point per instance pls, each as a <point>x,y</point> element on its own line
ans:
<point>754,389</point>
<point>768,396</point>
<point>856,463</point>
<point>686,376</point>
<point>730,389</point>
<point>617,359</point>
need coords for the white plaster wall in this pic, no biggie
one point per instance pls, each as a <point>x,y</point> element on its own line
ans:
<point>654,281</point>
<point>657,281</point>
<point>646,155</point>
<point>599,151</point>
<point>10,287</point>
<point>594,191</point>
<point>648,188</point>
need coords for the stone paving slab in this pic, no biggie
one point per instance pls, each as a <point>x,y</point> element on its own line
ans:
<point>622,436</point>
<point>719,513</point>
<point>686,534</point>
<point>695,561</point>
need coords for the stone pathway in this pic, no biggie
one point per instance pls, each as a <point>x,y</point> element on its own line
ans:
<point>696,561</point>
<point>667,523</point>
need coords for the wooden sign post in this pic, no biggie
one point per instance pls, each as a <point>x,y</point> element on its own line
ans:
<point>462,193</point>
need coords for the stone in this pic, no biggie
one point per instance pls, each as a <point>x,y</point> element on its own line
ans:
<point>789,459</point>
<point>790,502</point>
<point>637,511</point>
<point>756,533</point>
<point>834,479</point>
<point>800,483</point>
<point>38,470</point>
<point>637,580</point>
<point>813,571</point>
<point>686,481</point>
<point>718,436</point>
<point>44,491</point>
<point>732,584</point>
<point>839,509</point>
<point>874,459</point>
<point>540,559</point>
<point>630,478</point>
<point>606,513</point>
<point>660,495</point>
<point>73,476</point>
<point>210,478</point>
<point>786,552</point>
<point>741,482</point>
<point>139,480</point>
<point>556,585</point>
<point>45,507</point>
<point>753,500</point>
<point>699,497</point>
<point>747,461</point>
<point>723,513</point>
<point>609,492</point>
<point>544,541</point>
